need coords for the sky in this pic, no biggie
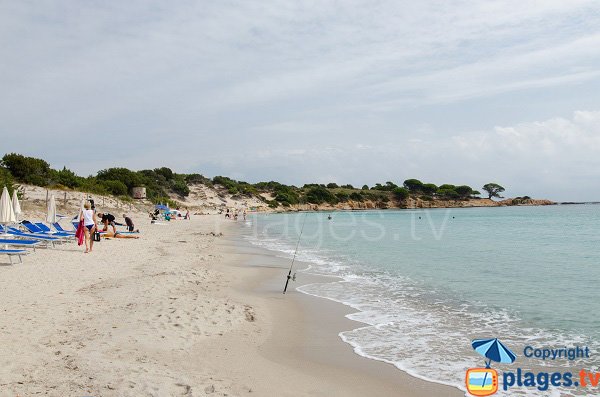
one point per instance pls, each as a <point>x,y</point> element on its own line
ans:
<point>359,92</point>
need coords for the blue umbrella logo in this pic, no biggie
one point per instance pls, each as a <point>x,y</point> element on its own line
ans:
<point>493,350</point>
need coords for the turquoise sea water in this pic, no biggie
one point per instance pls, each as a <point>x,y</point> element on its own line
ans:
<point>426,282</point>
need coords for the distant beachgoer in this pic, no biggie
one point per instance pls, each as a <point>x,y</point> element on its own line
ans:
<point>244,214</point>
<point>187,214</point>
<point>235,215</point>
<point>108,219</point>
<point>227,215</point>
<point>90,224</point>
<point>129,223</point>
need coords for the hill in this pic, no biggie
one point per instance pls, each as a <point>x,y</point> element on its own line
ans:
<point>200,193</point>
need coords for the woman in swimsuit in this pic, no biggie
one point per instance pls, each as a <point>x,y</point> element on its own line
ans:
<point>90,223</point>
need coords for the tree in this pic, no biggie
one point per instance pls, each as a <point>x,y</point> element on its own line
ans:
<point>493,190</point>
<point>6,179</point>
<point>66,178</point>
<point>447,193</point>
<point>401,193</point>
<point>429,189</point>
<point>413,185</point>
<point>390,186</point>
<point>164,171</point>
<point>27,169</point>
<point>128,177</point>
<point>463,191</point>
<point>332,185</point>
<point>365,187</point>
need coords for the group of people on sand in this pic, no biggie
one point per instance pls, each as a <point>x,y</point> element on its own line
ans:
<point>91,218</point>
<point>235,213</point>
<point>169,215</point>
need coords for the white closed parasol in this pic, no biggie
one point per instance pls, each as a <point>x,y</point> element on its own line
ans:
<point>16,205</point>
<point>51,217</point>
<point>7,214</point>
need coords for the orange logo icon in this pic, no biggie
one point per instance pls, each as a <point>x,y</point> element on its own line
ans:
<point>482,381</point>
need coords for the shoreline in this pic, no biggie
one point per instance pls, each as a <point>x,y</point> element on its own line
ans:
<point>181,311</point>
<point>305,333</point>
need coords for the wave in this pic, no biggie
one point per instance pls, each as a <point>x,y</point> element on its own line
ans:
<point>424,333</point>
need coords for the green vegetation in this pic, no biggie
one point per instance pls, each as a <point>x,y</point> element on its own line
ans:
<point>6,179</point>
<point>161,183</point>
<point>493,190</point>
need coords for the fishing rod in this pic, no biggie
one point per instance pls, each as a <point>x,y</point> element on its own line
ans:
<point>289,275</point>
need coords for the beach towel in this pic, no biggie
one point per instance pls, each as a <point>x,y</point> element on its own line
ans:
<point>80,234</point>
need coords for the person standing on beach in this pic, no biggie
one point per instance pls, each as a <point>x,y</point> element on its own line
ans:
<point>227,214</point>
<point>90,225</point>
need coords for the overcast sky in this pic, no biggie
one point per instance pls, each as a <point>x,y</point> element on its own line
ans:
<point>464,92</point>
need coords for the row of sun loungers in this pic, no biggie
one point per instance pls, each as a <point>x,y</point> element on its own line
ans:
<point>14,242</point>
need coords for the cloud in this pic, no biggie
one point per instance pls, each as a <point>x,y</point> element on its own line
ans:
<point>357,90</point>
<point>555,158</point>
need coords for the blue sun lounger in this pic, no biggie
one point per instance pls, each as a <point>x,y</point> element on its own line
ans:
<point>51,232</point>
<point>16,232</point>
<point>35,229</point>
<point>13,252</point>
<point>15,242</point>
<point>59,228</point>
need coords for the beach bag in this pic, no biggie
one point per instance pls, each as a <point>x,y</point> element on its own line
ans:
<point>80,234</point>
<point>96,236</point>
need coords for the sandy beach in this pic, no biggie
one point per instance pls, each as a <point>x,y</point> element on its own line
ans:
<point>177,312</point>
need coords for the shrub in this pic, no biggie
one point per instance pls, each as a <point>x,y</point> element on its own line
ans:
<point>193,179</point>
<point>356,196</point>
<point>27,169</point>
<point>66,177</point>
<point>319,194</point>
<point>401,193</point>
<point>127,177</point>
<point>180,187</point>
<point>342,197</point>
<point>117,188</point>
<point>6,179</point>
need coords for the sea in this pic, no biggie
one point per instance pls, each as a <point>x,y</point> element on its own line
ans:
<point>423,284</point>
